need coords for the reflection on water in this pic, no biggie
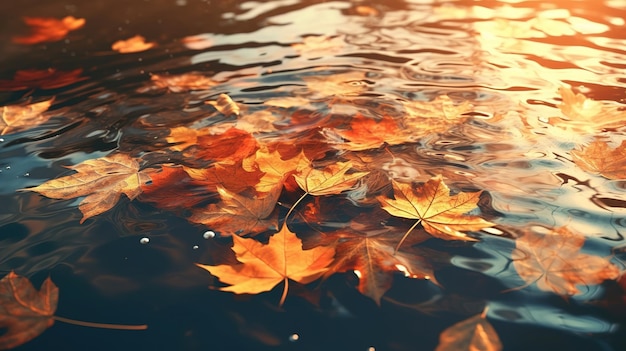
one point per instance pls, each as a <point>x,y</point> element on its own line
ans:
<point>495,81</point>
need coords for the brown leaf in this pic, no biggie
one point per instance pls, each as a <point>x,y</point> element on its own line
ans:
<point>171,188</point>
<point>225,105</point>
<point>475,334</point>
<point>25,312</point>
<point>43,79</point>
<point>265,266</point>
<point>371,255</point>
<point>275,169</point>
<point>134,44</point>
<point>337,85</point>
<point>228,147</point>
<point>441,214</point>
<point>330,180</point>
<point>554,262</point>
<point>16,118</point>
<point>599,158</point>
<point>233,178</point>
<point>239,214</point>
<point>102,181</point>
<point>48,29</point>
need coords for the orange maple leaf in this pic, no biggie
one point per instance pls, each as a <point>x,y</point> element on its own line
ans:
<point>15,118</point>
<point>228,147</point>
<point>441,214</point>
<point>134,44</point>
<point>43,79</point>
<point>368,133</point>
<point>48,29</point>
<point>599,158</point>
<point>102,181</point>
<point>233,178</point>
<point>275,169</point>
<point>554,262</point>
<point>239,214</point>
<point>25,312</point>
<point>336,85</point>
<point>265,266</point>
<point>475,333</point>
<point>172,188</point>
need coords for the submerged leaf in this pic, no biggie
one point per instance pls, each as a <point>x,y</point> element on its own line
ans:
<point>554,262</point>
<point>25,312</point>
<point>599,158</point>
<point>42,79</point>
<point>183,82</point>
<point>475,334</point>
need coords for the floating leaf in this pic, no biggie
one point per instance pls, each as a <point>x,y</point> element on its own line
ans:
<point>134,44</point>
<point>15,118</point>
<point>275,169</point>
<point>265,266</point>
<point>183,82</point>
<point>331,180</point>
<point>48,29</point>
<point>368,133</point>
<point>25,312</point>
<point>336,85</point>
<point>102,181</point>
<point>554,262</point>
<point>441,214</point>
<point>225,105</point>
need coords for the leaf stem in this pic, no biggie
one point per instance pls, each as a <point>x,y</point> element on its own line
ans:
<point>284,296</point>
<point>101,325</point>
<point>294,206</point>
<point>406,235</point>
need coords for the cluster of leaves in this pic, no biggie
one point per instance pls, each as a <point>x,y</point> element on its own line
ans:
<point>248,175</point>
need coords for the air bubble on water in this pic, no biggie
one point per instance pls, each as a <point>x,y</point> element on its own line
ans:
<point>209,234</point>
<point>8,167</point>
<point>294,337</point>
<point>1,140</point>
<point>195,247</point>
<point>144,240</point>
<point>371,348</point>
<point>26,174</point>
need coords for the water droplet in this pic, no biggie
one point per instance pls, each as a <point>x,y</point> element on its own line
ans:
<point>294,337</point>
<point>8,167</point>
<point>27,174</point>
<point>195,247</point>
<point>208,234</point>
<point>144,240</point>
<point>1,140</point>
<point>371,348</point>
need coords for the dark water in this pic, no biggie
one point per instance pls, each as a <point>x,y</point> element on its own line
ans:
<point>507,59</point>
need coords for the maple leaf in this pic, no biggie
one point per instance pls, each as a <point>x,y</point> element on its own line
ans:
<point>44,79</point>
<point>331,180</point>
<point>183,82</point>
<point>228,147</point>
<point>599,158</point>
<point>371,255</point>
<point>25,312</point>
<point>171,187</point>
<point>275,169</point>
<point>265,266</point>
<point>233,178</point>
<point>16,118</point>
<point>554,262</point>
<point>48,29</point>
<point>583,115</point>
<point>134,44</point>
<point>434,116</point>
<point>239,214</point>
<point>368,133</point>
<point>102,181</point>
<point>441,214</point>
<point>475,333</point>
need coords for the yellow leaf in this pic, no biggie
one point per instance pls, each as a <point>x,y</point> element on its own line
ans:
<point>225,105</point>
<point>134,44</point>
<point>330,180</point>
<point>16,118</point>
<point>441,214</point>
<point>265,266</point>
<point>102,181</point>
<point>275,169</point>
<point>599,158</point>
